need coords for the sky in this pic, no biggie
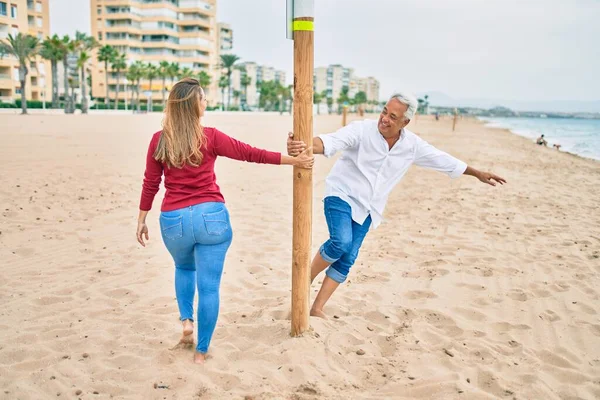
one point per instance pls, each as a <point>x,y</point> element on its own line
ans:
<point>519,50</point>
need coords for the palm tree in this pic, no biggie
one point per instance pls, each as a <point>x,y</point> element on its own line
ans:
<point>119,64</point>
<point>23,48</point>
<point>133,74</point>
<point>174,70</point>
<point>66,47</point>
<point>205,80</point>
<point>317,98</point>
<point>324,95</point>
<point>223,84</point>
<point>271,95</point>
<point>186,73</point>
<point>245,81</point>
<point>329,103</point>
<point>283,93</point>
<point>151,74</point>
<point>137,72</point>
<point>164,73</point>
<point>52,50</point>
<point>344,97</point>
<point>81,43</point>
<point>360,99</point>
<point>84,57</point>
<point>72,96</point>
<point>84,44</point>
<point>106,54</point>
<point>228,63</point>
<point>236,96</point>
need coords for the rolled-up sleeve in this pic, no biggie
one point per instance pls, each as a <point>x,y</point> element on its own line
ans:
<point>427,156</point>
<point>342,139</point>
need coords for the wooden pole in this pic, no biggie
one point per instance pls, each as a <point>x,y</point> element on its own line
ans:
<point>303,130</point>
<point>344,115</point>
<point>454,122</point>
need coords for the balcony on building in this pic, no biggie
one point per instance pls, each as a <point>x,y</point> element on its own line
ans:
<point>183,4</point>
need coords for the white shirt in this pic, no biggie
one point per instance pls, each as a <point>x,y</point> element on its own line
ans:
<point>368,170</point>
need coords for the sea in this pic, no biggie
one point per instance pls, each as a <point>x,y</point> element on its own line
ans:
<point>578,136</point>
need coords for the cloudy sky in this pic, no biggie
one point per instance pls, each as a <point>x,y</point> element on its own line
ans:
<point>526,50</point>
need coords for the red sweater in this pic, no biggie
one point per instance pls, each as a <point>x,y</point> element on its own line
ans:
<point>189,185</point>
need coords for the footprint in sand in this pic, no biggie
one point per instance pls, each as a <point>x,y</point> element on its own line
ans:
<point>517,294</point>
<point>444,323</point>
<point>560,287</point>
<point>420,294</point>
<point>541,293</point>
<point>481,301</point>
<point>364,278</point>
<point>587,309</point>
<point>121,294</point>
<point>503,327</point>
<point>471,286</point>
<point>50,300</point>
<point>471,314</point>
<point>281,315</point>
<point>595,329</point>
<point>387,346</point>
<point>426,273</point>
<point>24,251</point>
<point>548,357</point>
<point>549,315</point>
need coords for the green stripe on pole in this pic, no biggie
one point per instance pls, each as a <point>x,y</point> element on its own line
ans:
<point>303,26</point>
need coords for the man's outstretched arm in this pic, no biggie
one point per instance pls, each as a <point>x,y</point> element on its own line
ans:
<point>329,144</point>
<point>429,157</point>
<point>485,177</point>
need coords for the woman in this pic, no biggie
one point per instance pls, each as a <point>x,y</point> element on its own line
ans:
<point>194,220</point>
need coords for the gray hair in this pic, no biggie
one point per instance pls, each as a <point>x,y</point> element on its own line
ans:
<point>408,100</point>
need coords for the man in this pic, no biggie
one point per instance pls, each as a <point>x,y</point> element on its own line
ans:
<point>541,141</point>
<point>376,155</point>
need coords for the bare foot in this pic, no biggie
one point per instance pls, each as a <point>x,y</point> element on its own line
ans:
<point>199,358</point>
<point>188,327</point>
<point>317,313</point>
<point>187,339</point>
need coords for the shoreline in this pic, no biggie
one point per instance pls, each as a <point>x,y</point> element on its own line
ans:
<point>490,125</point>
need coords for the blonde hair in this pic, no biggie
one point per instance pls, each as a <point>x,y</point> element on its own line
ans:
<point>182,136</point>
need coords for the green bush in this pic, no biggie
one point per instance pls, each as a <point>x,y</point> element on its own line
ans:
<point>102,106</point>
<point>32,104</point>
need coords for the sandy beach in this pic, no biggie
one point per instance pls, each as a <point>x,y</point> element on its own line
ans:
<point>464,292</point>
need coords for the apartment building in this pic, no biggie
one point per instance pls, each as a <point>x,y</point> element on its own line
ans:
<point>225,38</point>
<point>333,78</point>
<point>257,73</point>
<point>151,31</point>
<point>368,85</point>
<point>27,17</point>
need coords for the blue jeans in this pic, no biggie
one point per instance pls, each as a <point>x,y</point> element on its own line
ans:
<point>198,238</point>
<point>345,238</point>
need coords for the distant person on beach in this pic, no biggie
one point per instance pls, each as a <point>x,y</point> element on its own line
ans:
<point>376,154</point>
<point>194,221</point>
<point>541,141</point>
